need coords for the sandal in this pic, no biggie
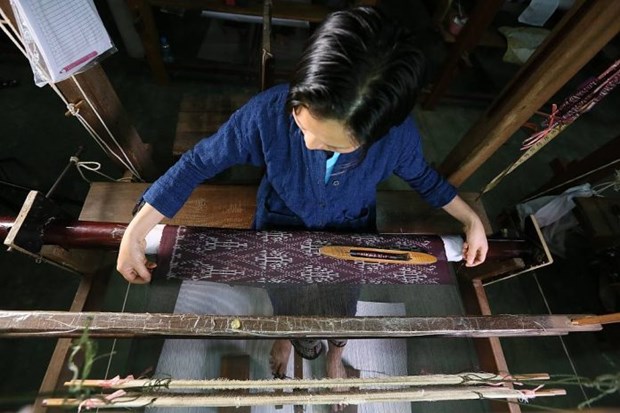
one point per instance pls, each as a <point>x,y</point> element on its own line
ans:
<point>277,376</point>
<point>309,353</point>
<point>338,343</point>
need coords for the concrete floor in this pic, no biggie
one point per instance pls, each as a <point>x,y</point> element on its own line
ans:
<point>37,141</point>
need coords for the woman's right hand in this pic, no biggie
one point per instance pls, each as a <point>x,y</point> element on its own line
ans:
<point>132,262</point>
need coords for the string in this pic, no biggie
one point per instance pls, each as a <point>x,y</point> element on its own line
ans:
<point>107,370</point>
<point>570,360</point>
<point>7,22</point>
<point>604,186</point>
<point>75,111</point>
<point>92,166</point>
<point>572,180</point>
<point>128,165</point>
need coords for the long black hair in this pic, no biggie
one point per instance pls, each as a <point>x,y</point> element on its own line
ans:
<point>361,68</point>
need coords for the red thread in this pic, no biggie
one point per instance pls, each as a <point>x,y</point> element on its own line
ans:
<point>537,137</point>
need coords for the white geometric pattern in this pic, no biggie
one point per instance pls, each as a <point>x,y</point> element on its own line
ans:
<point>291,257</point>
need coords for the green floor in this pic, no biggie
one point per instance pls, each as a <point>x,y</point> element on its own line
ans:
<point>37,141</point>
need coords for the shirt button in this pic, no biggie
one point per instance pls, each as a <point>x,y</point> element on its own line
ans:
<point>322,205</point>
<point>336,183</point>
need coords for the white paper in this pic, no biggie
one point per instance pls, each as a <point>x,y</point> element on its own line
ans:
<point>68,35</point>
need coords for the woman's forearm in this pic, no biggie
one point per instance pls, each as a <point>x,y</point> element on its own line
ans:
<point>462,212</point>
<point>144,221</point>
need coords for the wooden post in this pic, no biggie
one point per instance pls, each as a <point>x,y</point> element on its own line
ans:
<point>490,353</point>
<point>100,92</point>
<point>266,67</point>
<point>481,18</point>
<point>586,28</point>
<point>145,25</point>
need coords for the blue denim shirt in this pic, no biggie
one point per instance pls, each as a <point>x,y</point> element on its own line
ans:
<point>293,192</point>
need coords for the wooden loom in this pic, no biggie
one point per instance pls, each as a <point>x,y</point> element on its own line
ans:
<point>113,202</point>
<point>232,207</point>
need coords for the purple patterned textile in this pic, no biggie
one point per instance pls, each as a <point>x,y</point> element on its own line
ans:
<point>291,257</point>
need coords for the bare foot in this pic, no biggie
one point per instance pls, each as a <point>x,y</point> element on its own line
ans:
<point>335,370</point>
<point>279,356</point>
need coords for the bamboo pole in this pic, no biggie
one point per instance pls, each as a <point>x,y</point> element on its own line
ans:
<point>334,397</point>
<point>467,379</point>
<point>598,319</point>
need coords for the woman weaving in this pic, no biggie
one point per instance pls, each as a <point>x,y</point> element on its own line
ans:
<point>325,141</point>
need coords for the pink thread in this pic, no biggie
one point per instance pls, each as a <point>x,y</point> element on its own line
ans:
<point>95,402</point>
<point>114,382</point>
<point>587,95</point>
<point>512,380</point>
<point>529,394</point>
<point>535,138</point>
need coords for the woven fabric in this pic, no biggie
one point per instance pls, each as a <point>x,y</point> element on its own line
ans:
<point>291,257</point>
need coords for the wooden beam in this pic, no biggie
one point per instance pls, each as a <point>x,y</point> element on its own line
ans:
<point>233,206</point>
<point>478,23</point>
<point>96,85</point>
<point>585,30</point>
<point>147,30</point>
<point>129,325</point>
<point>98,89</point>
<point>266,66</point>
<point>220,206</point>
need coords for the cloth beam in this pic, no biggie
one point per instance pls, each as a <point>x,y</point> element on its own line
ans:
<point>291,257</point>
